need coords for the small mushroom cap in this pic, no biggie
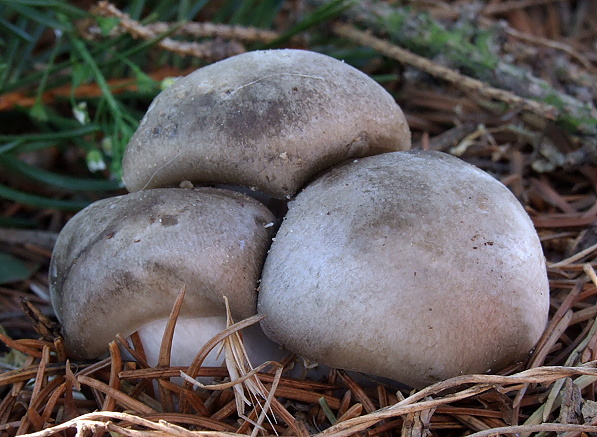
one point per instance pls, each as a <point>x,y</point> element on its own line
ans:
<point>270,120</point>
<point>121,262</point>
<point>414,266</point>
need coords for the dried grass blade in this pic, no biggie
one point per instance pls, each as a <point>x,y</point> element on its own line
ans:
<point>551,196</point>
<point>550,403</point>
<point>40,392</point>
<point>561,221</point>
<point>70,376</point>
<point>109,402</point>
<point>225,412</point>
<point>472,422</point>
<point>553,335</point>
<point>590,271</point>
<point>99,365</point>
<point>268,401</point>
<point>235,370</point>
<point>60,350</point>
<point>18,375</point>
<point>239,366</point>
<point>138,346</point>
<point>6,407</point>
<point>114,382</point>
<point>168,337</point>
<point>32,417</point>
<point>139,356</point>
<point>170,372</point>
<point>251,421</point>
<point>357,391</point>
<point>351,413</point>
<point>347,399</point>
<point>52,401</point>
<point>197,403</point>
<point>93,421</point>
<point>40,378</point>
<point>298,383</point>
<point>307,396</point>
<point>225,385</point>
<point>166,349</point>
<point>193,369</point>
<point>188,419</point>
<point>70,409</point>
<point>417,424</point>
<point>327,411</point>
<point>12,344</point>
<point>558,324</point>
<point>297,428</point>
<point>576,257</point>
<point>121,398</point>
<point>527,429</point>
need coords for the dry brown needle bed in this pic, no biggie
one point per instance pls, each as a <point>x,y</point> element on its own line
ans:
<point>552,173</point>
<point>556,393</point>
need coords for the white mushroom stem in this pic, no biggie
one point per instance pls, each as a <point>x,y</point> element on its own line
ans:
<point>191,334</point>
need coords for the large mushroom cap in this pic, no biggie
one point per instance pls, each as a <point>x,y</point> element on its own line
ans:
<point>121,262</point>
<point>410,265</point>
<point>271,120</point>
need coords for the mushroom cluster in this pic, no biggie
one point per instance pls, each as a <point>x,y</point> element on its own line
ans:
<point>409,265</point>
<point>268,121</point>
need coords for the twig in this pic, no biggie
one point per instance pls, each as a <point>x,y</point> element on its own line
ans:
<point>483,383</point>
<point>575,257</point>
<point>452,76</point>
<point>552,44</point>
<point>120,397</point>
<point>95,421</point>
<point>211,50</point>
<point>246,34</point>
<point>381,17</point>
<point>545,427</point>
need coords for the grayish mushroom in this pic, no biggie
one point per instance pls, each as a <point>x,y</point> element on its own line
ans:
<point>119,264</point>
<point>270,120</point>
<point>410,265</point>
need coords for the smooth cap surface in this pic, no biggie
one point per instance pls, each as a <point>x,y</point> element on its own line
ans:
<point>271,120</point>
<point>121,262</point>
<point>415,266</point>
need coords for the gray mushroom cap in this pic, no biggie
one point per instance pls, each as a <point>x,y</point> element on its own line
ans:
<point>270,120</point>
<point>121,262</point>
<point>410,265</point>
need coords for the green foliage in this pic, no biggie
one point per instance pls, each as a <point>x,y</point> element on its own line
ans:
<point>325,12</point>
<point>17,222</point>
<point>572,120</point>
<point>67,60</point>
<point>13,269</point>
<point>43,47</point>
<point>466,46</point>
